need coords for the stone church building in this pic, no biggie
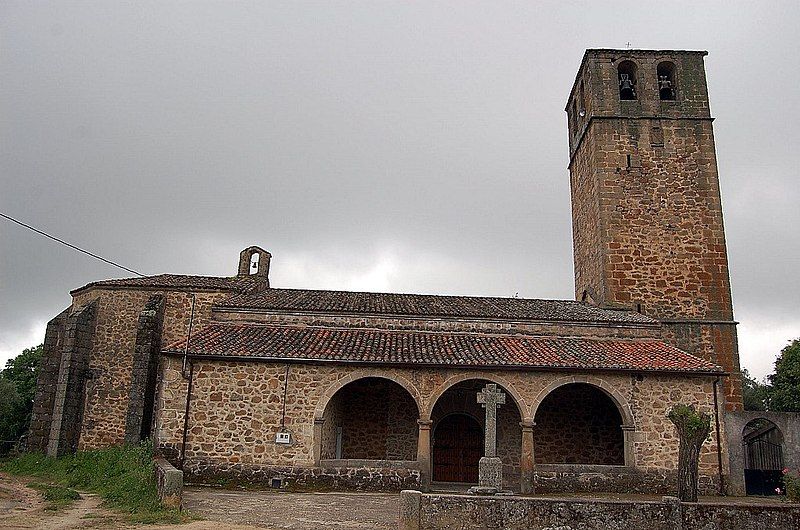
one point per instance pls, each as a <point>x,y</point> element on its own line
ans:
<point>312,388</point>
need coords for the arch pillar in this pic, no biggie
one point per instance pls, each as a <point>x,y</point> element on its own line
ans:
<point>318,423</point>
<point>629,449</point>
<point>526,463</point>
<point>424,453</point>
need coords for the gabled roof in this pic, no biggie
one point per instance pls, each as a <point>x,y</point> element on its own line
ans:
<point>423,305</point>
<point>391,347</point>
<point>179,281</point>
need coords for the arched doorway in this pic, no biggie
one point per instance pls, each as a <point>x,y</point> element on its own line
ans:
<point>457,448</point>
<point>578,423</point>
<point>370,419</point>
<point>762,442</point>
<point>457,435</point>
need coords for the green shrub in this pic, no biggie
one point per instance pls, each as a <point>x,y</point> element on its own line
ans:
<point>791,479</point>
<point>122,476</point>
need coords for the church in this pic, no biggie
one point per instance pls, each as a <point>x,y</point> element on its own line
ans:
<point>232,378</point>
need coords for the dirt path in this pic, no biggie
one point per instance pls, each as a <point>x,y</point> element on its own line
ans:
<point>23,508</point>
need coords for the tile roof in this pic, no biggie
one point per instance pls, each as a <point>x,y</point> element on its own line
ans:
<point>284,343</point>
<point>179,281</point>
<point>395,304</point>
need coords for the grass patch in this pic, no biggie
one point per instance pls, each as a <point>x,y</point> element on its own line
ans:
<point>122,476</point>
<point>57,496</point>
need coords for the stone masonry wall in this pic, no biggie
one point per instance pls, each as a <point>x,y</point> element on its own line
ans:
<point>68,403</point>
<point>44,399</point>
<point>147,351</point>
<point>603,330</point>
<point>111,358</point>
<point>578,424</point>
<point>236,409</point>
<point>647,213</point>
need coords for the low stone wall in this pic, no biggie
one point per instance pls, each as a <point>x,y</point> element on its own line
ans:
<point>371,475</point>
<point>169,482</point>
<point>440,512</point>
<point>553,478</point>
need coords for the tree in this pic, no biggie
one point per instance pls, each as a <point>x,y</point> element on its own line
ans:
<point>784,396</point>
<point>17,388</point>
<point>754,393</point>
<point>693,429</point>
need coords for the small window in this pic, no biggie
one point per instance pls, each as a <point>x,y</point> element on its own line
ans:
<point>666,81</point>
<point>583,100</point>
<point>626,74</point>
<point>575,112</point>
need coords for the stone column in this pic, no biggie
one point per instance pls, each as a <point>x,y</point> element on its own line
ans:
<point>424,454</point>
<point>318,423</point>
<point>628,437</point>
<point>526,462</point>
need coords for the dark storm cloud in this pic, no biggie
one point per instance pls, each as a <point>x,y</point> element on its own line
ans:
<point>401,147</point>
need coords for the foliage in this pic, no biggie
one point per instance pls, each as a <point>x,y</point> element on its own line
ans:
<point>689,422</point>
<point>693,429</point>
<point>122,476</point>
<point>57,497</point>
<point>784,394</point>
<point>791,479</point>
<point>18,386</point>
<point>755,394</point>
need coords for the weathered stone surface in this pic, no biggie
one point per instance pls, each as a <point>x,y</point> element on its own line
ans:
<point>440,512</point>
<point>409,510</point>
<point>646,208</point>
<point>169,483</point>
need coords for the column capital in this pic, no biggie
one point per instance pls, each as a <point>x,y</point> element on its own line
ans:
<point>527,424</point>
<point>424,424</point>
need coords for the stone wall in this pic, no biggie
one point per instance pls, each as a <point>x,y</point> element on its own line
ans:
<point>788,424</point>
<point>236,410</point>
<point>111,360</point>
<point>578,424</point>
<point>44,399</point>
<point>146,353</point>
<point>68,402</point>
<point>574,329</point>
<point>439,511</point>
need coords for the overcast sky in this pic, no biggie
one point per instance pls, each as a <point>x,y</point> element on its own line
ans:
<point>391,146</point>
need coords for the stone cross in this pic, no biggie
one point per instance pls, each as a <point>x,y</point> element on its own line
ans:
<point>490,398</point>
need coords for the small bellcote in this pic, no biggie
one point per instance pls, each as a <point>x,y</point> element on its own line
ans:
<point>254,261</point>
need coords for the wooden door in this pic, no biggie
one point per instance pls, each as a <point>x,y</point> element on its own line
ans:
<point>457,448</point>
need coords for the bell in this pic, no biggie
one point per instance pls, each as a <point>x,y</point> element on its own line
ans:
<point>626,90</point>
<point>625,82</point>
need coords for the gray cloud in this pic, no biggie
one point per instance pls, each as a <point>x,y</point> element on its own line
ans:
<point>391,146</point>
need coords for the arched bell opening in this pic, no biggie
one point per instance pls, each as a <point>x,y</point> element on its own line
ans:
<point>665,73</point>
<point>579,423</point>
<point>626,78</point>
<point>370,419</point>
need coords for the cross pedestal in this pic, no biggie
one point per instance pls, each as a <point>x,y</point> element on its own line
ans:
<point>490,468</point>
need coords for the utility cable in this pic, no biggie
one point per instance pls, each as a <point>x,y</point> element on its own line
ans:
<point>70,245</point>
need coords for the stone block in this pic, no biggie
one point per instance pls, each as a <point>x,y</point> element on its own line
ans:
<point>409,510</point>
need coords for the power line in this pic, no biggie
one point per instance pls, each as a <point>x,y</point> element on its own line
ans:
<point>70,245</point>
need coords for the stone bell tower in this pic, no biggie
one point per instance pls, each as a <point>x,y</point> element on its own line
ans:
<point>646,211</point>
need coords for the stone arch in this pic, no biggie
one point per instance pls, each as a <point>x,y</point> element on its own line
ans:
<point>363,374</point>
<point>628,421</point>
<point>519,401</point>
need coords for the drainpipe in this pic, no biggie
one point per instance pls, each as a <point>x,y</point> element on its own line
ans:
<point>719,440</point>
<point>189,388</point>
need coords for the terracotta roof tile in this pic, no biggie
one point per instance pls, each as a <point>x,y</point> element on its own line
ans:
<point>440,349</point>
<point>180,281</point>
<point>314,301</point>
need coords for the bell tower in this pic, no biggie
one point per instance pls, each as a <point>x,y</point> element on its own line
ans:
<point>646,211</point>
